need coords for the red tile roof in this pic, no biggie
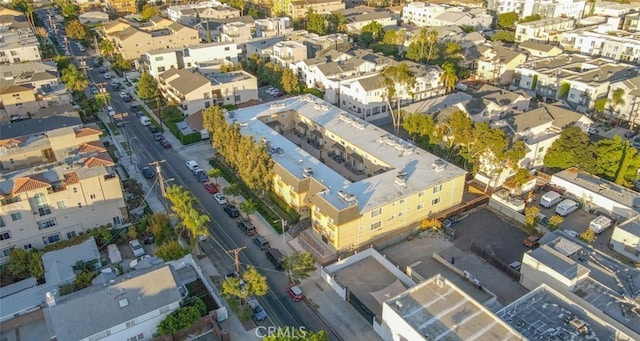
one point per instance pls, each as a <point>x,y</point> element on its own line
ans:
<point>12,142</point>
<point>25,184</point>
<point>82,132</point>
<point>71,178</point>
<point>99,160</point>
<point>93,146</point>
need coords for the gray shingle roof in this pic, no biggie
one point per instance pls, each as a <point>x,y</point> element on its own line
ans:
<point>58,265</point>
<point>188,81</point>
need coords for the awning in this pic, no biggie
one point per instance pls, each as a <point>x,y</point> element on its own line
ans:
<point>338,146</point>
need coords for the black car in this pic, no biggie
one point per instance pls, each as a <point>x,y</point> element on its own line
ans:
<point>202,177</point>
<point>127,99</point>
<point>148,172</point>
<point>158,137</point>
<point>153,129</point>
<point>231,210</point>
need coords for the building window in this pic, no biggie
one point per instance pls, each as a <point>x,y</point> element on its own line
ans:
<point>421,194</point>
<point>375,226</point>
<point>437,189</point>
<point>27,246</point>
<point>51,239</point>
<point>92,196</point>
<point>419,207</point>
<point>117,220</point>
<point>237,98</point>
<point>47,224</point>
<point>5,235</point>
<point>42,204</point>
<point>75,190</point>
<point>435,201</point>
<point>161,69</point>
<point>376,212</point>
<point>16,216</point>
<point>71,235</point>
<point>61,204</point>
<point>79,205</point>
<point>131,323</point>
<point>6,252</point>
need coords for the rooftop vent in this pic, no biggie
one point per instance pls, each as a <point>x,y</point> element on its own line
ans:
<point>349,198</point>
<point>123,302</point>
<point>399,304</point>
<point>278,105</point>
<point>307,172</point>
<point>604,186</point>
<point>322,107</point>
<point>439,165</point>
<point>401,178</point>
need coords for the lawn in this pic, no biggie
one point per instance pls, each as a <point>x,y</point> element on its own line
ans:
<point>113,128</point>
<point>125,146</point>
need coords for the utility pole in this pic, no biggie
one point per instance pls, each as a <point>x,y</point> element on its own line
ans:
<point>156,164</point>
<point>235,253</point>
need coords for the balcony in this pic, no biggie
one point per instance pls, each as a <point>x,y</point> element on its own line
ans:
<point>56,189</point>
<point>9,201</point>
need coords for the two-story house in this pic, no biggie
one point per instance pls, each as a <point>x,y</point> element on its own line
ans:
<point>498,62</point>
<point>359,17</point>
<point>477,18</point>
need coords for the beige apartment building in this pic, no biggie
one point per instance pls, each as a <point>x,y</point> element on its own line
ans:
<point>134,42</point>
<point>56,181</point>
<point>195,91</point>
<point>544,30</point>
<point>123,6</point>
<point>299,8</point>
<point>356,181</point>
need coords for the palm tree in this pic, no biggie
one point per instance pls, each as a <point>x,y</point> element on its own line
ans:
<point>196,224</point>
<point>432,39</point>
<point>449,77</point>
<point>248,207</point>
<point>231,191</point>
<point>74,79</point>
<point>394,76</point>
<point>215,173</point>
<point>181,200</point>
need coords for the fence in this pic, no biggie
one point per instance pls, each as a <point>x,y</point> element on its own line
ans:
<point>507,212</point>
<point>495,261</point>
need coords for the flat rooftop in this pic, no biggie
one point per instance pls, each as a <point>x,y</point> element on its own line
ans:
<point>423,170</point>
<point>544,314</point>
<point>42,125</point>
<point>438,310</point>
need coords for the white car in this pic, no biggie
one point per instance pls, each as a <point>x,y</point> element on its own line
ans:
<point>123,94</point>
<point>107,76</point>
<point>220,199</point>
<point>137,248</point>
<point>192,165</point>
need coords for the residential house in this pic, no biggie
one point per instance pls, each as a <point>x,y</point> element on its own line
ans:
<point>317,45</point>
<point>544,30</point>
<point>619,45</point>
<point>222,11</point>
<point>498,63</point>
<point>371,190</point>
<point>122,6</point>
<point>19,100</point>
<point>209,30</point>
<point>93,17</point>
<point>545,8</point>
<point>271,27</point>
<point>159,61</point>
<point>59,264</point>
<point>478,18</point>
<point>422,14</point>
<point>130,307</point>
<point>288,53</point>
<point>133,42</point>
<point>359,17</point>
<point>18,43</point>
<point>490,103</point>
<point>299,8</point>
<point>306,68</point>
<point>195,91</point>
<point>539,50</point>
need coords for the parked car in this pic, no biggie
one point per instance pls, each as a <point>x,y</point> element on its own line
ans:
<point>158,136</point>
<point>165,144</point>
<point>550,198</point>
<point>107,76</point>
<point>153,129</point>
<point>566,207</point>
<point>202,177</point>
<point>210,187</point>
<point>571,233</point>
<point>258,313</point>
<point>148,172</point>
<point>600,224</point>
<point>275,257</point>
<point>295,292</point>
<point>261,242</point>
<point>115,256</point>
<point>532,242</point>
<point>246,227</point>
<point>231,210</point>
<point>127,99</point>
<point>136,247</point>
<point>192,165</point>
<point>220,199</point>
<point>123,94</point>
<point>94,90</point>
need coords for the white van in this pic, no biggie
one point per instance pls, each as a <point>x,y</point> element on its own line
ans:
<point>550,198</point>
<point>566,206</point>
<point>146,121</point>
<point>600,224</point>
<point>115,256</point>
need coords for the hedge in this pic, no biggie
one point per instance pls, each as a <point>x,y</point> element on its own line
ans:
<point>173,128</point>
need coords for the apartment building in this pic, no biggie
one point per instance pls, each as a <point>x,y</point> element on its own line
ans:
<point>287,53</point>
<point>122,6</point>
<point>93,17</point>
<point>271,27</point>
<point>237,32</point>
<point>191,14</point>
<point>498,62</point>
<point>545,8</point>
<point>544,30</point>
<point>134,42</point>
<point>478,18</point>
<point>422,14</point>
<point>345,208</point>
<point>159,61</point>
<point>319,44</point>
<point>613,8</point>
<point>631,23</point>
<point>18,43</point>
<point>210,30</point>
<point>359,17</point>
<point>57,181</point>
<point>299,8</point>
<point>195,91</point>
<point>263,47</point>
<point>27,87</point>
<point>540,50</point>
<point>620,46</point>
<point>578,80</point>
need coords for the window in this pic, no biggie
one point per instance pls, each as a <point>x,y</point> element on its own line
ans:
<point>71,234</point>
<point>75,190</point>
<point>92,196</point>
<point>161,69</point>
<point>51,239</point>
<point>16,216</point>
<point>27,246</point>
<point>237,98</point>
<point>6,252</point>
<point>376,212</point>
<point>5,235</point>
<point>61,204</point>
<point>437,189</point>
<point>419,207</point>
<point>131,323</point>
<point>47,224</point>
<point>540,150</point>
<point>117,221</point>
<point>421,194</point>
<point>42,204</point>
<point>377,225</point>
<point>226,48</point>
<point>435,201</point>
<point>79,205</point>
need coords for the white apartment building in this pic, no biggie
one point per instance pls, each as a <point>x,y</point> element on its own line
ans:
<point>544,30</point>
<point>271,27</point>
<point>359,17</point>
<point>159,61</point>
<point>545,8</point>
<point>18,44</point>
<point>288,53</point>
<point>631,23</point>
<point>190,14</point>
<point>422,13</point>
<point>478,18</point>
<point>630,110</point>
<point>613,8</point>
<point>622,46</point>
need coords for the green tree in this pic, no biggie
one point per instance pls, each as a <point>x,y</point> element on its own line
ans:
<point>617,98</point>
<point>147,87</point>
<point>530,215</point>
<point>21,265</point>
<point>505,36</point>
<point>616,159</point>
<point>468,28</point>
<point>554,222</point>
<point>337,23</point>
<point>392,77</point>
<point>449,76</point>
<point>215,173</point>
<point>299,265</point>
<point>196,224</point>
<point>233,287</point>
<point>420,124</point>
<point>75,30</point>
<point>371,33</point>
<point>290,82</point>
<point>232,191</point>
<point>107,48</point>
<point>62,62</point>
<point>181,200</point>
<point>103,98</point>
<point>160,227</point>
<point>149,11</point>
<point>280,7</point>
<point>171,250</point>
<point>171,113</point>
<point>255,282</point>
<point>68,9</point>
<point>248,207</point>
<point>600,104</point>
<point>121,64</point>
<point>530,18</point>
<point>315,22</point>
<point>303,335</point>
<point>182,318</point>
<point>563,91</point>
<point>572,149</point>
<point>74,79</point>
<point>507,20</point>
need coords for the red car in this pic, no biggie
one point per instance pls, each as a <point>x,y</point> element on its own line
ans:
<point>295,292</point>
<point>210,187</point>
